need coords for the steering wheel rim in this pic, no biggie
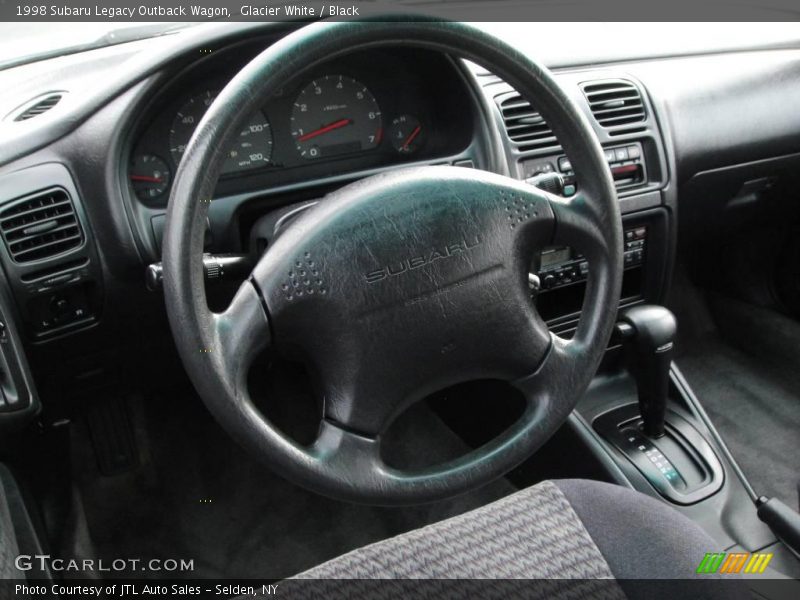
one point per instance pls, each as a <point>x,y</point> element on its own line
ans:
<point>344,462</point>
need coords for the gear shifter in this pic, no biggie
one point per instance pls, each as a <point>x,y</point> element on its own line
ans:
<point>677,460</point>
<point>647,332</point>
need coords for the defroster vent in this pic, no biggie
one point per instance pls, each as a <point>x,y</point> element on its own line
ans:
<point>39,106</point>
<point>40,226</point>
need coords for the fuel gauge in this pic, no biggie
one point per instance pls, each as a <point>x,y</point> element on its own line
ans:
<point>406,134</point>
<point>149,176</point>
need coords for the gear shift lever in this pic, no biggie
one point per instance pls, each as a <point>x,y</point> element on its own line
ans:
<point>678,462</point>
<point>647,332</point>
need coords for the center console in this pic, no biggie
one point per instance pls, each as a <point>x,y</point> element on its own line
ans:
<point>639,418</point>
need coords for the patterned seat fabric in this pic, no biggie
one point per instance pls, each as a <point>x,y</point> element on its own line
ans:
<point>534,533</point>
<point>567,539</point>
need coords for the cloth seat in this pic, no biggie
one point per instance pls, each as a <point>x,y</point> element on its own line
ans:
<point>614,540</point>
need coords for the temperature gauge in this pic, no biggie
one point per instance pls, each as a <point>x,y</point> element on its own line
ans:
<point>149,176</point>
<point>406,134</point>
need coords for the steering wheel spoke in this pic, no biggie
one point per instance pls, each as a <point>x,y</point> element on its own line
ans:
<point>239,334</point>
<point>340,449</point>
<point>579,223</point>
<point>585,223</point>
<point>542,388</point>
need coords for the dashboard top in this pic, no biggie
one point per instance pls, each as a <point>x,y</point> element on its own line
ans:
<point>99,75</point>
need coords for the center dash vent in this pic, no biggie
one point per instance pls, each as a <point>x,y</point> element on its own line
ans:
<point>39,106</point>
<point>615,103</point>
<point>525,126</point>
<point>40,226</point>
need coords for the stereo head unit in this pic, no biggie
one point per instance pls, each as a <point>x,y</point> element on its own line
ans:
<point>559,266</point>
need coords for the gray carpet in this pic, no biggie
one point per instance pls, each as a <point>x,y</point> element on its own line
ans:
<point>199,496</point>
<point>746,374</point>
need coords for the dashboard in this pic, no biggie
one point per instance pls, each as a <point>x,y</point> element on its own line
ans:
<point>107,153</point>
<point>368,110</point>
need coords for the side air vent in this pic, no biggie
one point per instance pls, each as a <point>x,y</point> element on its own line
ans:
<point>40,226</point>
<point>615,103</point>
<point>525,126</point>
<point>39,106</point>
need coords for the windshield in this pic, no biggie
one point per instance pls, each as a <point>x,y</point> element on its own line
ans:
<point>26,42</point>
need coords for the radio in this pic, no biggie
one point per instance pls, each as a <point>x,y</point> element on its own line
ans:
<point>561,266</point>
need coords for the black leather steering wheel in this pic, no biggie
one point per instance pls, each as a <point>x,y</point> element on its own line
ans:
<point>397,285</point>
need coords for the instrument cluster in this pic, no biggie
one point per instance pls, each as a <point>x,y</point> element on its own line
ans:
<point>364,111</point>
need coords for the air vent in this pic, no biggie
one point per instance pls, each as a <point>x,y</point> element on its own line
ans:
<point>525,126</point>
<point>615,103</point>
<point>39,106</point>
<point>40,226</point>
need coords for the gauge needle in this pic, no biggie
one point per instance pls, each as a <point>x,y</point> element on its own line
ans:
<point>146,178</point>
<point>412,136</point>
<point>335,125</point>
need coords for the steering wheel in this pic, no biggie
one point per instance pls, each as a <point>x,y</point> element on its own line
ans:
<point>397,285</point>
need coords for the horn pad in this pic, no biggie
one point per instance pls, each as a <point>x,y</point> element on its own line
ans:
<point>407,282</point>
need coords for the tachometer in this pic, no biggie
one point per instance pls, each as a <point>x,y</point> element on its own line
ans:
<point>335,115</point>
<point>253,147</point>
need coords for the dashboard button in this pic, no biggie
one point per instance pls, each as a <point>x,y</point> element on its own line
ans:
<point>621,153</point>
<point>633,152</point>
<point>540,168</point>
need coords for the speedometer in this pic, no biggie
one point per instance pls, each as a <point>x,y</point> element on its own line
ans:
<point>252,148</point>
<point>335,115</point>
